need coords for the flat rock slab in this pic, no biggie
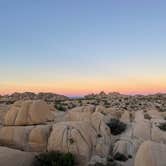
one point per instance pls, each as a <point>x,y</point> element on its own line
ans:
<point>11,157</point>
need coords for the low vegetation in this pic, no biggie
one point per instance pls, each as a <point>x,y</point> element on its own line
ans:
<point>54,159</point>
<point>60,108</point>
<point>120,157</point>
<point>147,116</point>
<point>162,126</point>
<point>116,126</point>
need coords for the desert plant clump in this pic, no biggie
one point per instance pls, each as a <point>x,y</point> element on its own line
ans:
<point>162,126</point>
<point>112,162</point>
<point>147,116</point>
<point>161,108</point>
<point>120,157</point>
<point>54,158</point>
<point>116,126</point>
<point>60,107</point>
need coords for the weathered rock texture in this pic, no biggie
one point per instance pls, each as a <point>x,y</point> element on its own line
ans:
<point>151,154</point>
<point>28,113</point>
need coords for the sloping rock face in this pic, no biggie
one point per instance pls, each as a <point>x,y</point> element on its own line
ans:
<point>103,134</point>
<point>80,113</point>
<point>156,133</point>
<point>16,137</point>
<point>38,138</point>
<point>151,154</point>
<point>79,138</point>
<point>123,150</point>
<point>142,130</point>
<point>25,126</point>
<point>11,157</point>
<point>27,138</point>
<point>28,113</point>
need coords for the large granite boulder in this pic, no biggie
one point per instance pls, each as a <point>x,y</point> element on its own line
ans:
<point>27,138</point>
<point>15,137</point>
<point>123,150</point>
<point>82,113</point>
<point>103,134</point>
<point>125,117</point>
<point>142,130</point>
<point>157,134</point>
<point>28,112</point>
<point>81,138</point>
<point>151,154</point>
<point>76,137</point>
<point>38,138</point>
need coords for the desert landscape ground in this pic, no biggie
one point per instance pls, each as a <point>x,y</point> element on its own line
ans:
<point>95,130</point>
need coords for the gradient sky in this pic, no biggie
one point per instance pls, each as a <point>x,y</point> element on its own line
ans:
<point>74,47</point>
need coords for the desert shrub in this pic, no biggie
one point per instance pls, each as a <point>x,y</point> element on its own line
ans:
<point>107,106</point>
<point>162,109</point>
<point>60,107</point>
<point>71,106</point>
<point>120,157</point>
<point>112,162</point>
<point>116,126</point>
<point>97,164</point>
<point>54,159</point>
<point>9,102</point>
<point>147,116</point>
<point>162,126</point>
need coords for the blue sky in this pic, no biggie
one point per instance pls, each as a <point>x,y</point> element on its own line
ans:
<point>79,42</point>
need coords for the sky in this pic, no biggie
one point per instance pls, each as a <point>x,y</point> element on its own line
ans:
<point>75,47</point>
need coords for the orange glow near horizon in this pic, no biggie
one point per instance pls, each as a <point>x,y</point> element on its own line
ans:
<point>83,87</point>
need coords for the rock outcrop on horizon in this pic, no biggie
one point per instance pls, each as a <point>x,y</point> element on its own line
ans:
<point>48,97</point>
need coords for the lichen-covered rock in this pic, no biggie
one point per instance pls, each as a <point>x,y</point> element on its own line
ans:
<point>151,154</point>
<point>28,112</point>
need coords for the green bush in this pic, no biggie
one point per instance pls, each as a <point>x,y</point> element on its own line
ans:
<point>116,126</point>
<point>162,126</point>
<point>54,159</point>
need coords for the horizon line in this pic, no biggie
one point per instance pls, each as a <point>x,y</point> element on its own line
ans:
<point>82,95</point>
